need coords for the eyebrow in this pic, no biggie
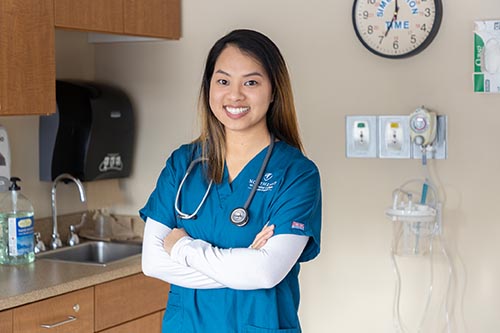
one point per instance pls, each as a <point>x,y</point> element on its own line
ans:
<point>220,71</point>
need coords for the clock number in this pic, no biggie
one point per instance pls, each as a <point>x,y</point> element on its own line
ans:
<point>395,45</point>
<point>423,27</point>
<point>427,12</point>
<point>381,37</point>
<point>370,29</point>
<point>413,39</point>
<point>365,14</point>
<point>371,2</point>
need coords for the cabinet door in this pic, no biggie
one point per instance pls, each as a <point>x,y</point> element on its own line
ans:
<point>72,312</point>
<point>128,298</point>
<point>154,18</point>
<point>27,57</point>
<point>6,321</point>
<point>149,324</point>
<point>93,15</point>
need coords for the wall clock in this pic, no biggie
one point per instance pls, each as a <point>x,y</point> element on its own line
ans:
<point>396,28</point>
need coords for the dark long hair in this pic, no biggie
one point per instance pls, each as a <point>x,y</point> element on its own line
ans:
<point>281,117</point>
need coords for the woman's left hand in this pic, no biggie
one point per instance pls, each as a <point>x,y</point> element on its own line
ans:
<point>172,238</point>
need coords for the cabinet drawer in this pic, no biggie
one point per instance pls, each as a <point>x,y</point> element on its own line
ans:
<point>128,298</point>
<point>72,312</point>
<point>6,321</point>
<point>149,324</point>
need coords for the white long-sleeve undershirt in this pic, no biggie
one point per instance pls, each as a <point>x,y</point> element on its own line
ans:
<point>157,263</point>
<point>194,263</point>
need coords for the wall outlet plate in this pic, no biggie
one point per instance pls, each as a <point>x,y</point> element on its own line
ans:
<point>394,137</point>
<point>361,136</point>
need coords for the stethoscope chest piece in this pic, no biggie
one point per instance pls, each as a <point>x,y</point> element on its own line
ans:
<point>239,216</point>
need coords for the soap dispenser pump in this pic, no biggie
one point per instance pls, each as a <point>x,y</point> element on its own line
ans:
<point>16,227</point>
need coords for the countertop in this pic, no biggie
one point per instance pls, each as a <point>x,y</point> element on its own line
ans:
<point>46,278</point>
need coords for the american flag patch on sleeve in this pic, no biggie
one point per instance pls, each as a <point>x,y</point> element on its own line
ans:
<point>298,225</point>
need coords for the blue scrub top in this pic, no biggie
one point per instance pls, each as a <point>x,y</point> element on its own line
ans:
<point>288,196</point>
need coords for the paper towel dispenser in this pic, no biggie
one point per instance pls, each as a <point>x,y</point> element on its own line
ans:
<point>90,136</point>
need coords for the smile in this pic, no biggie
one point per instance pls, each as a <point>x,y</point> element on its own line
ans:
<point>235,111</point>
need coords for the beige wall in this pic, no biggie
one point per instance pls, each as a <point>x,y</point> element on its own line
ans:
<point>349,288</point>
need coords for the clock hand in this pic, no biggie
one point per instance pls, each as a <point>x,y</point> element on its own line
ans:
<point>394,18</point>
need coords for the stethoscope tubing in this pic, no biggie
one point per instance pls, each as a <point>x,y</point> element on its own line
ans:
<point>239,216</point>
<point>261,173</point>
<point>181,214</point>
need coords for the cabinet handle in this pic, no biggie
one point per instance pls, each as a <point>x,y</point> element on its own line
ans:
<point>69,320</point>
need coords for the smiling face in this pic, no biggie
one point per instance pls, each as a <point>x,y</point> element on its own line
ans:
<point>240,92</point>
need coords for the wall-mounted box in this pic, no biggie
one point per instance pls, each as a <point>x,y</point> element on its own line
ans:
<point>361,136</point>
<point>394,137</point>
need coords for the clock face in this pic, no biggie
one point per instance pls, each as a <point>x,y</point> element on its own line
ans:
<point>396,28</point>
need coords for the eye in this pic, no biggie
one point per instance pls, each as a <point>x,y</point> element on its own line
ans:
<point>223,82</point>
<point>251,83</point>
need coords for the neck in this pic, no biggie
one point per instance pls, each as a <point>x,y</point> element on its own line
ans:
<point>240,149</point>
<point>243,144</point>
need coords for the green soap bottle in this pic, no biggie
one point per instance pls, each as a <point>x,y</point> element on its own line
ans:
<point>16,227</point>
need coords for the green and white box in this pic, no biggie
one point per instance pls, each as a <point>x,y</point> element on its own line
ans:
<point>487,56</point>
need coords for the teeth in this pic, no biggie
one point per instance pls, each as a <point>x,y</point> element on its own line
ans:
<point>236,110</point>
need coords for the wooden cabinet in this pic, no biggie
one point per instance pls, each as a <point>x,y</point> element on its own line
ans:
<point>27,50</point>
<point>6,321</point>
<point>93,15</point>
<point>133,304</point>
<point>27,57</point>
<point>152,18</point>
<point>127,299</point>
<point>72,312</point>
<point>150,324</point>
<point>155,18</point>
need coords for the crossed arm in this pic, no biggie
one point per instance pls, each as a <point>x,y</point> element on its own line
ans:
<point>172,256</point>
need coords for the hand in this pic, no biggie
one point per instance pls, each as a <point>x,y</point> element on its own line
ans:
<point>262,237</point>
<point>172,238</point>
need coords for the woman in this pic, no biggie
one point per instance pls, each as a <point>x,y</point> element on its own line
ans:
<point>227,273</point>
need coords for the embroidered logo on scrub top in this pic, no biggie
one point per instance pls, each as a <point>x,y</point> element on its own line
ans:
<point>298,225</point>
<point>265,184</point>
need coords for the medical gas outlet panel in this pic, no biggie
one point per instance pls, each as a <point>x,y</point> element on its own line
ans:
<point>396,136</point>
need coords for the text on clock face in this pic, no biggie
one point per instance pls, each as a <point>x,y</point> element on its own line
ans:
<point>398,25</point>
<point>383,4</point>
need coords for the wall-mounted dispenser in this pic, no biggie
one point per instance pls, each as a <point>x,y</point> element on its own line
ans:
<point>4,160</point>
<point>91,135</point>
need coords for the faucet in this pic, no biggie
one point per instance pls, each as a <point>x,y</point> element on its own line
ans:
<point>56,241</point>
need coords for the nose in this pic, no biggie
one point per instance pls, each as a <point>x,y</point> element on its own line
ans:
<point>236,93</point>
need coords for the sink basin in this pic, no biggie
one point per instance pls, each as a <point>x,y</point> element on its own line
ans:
<point>93,253</point>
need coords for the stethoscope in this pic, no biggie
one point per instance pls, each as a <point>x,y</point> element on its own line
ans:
<point>239,216</point>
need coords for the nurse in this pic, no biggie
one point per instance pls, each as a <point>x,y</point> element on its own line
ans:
<point>227,276</point>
